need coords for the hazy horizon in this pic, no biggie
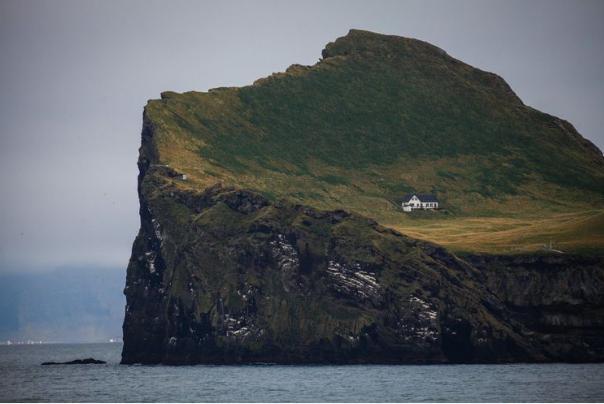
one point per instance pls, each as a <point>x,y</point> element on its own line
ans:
<point>76,75</point>
<point>63,305</point>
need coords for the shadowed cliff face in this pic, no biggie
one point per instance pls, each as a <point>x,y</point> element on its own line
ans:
<point>558,298</point>
<point>232,270</point>
<point>225,276</point>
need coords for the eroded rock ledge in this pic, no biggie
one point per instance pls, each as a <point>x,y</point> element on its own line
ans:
<point>227,276</point>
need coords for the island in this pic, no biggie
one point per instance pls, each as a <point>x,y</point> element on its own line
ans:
<point>272,228</point>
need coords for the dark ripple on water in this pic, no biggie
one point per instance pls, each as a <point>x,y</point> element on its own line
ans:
<point>24,379</point>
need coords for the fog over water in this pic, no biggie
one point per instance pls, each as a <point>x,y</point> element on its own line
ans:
<point>75,76</point>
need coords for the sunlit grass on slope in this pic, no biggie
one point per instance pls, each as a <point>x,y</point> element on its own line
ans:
<point>581,231</point>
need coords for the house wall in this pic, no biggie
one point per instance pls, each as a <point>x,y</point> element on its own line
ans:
<point>415,203</point>
<point>429,205</point>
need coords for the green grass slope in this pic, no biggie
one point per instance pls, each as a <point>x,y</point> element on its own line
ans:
<point>380,116</point>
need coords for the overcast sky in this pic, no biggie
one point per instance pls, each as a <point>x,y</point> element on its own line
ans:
<point>75,76</point>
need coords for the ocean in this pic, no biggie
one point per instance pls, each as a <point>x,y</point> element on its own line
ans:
<point>22,378</point>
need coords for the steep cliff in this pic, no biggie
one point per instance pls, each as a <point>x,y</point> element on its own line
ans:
<point>224,275</point>
<point>263,234</point>
<point>559,298</point>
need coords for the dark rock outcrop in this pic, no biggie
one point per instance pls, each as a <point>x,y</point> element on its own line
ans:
<point>558,298</point>
<point>227,276</point>
<point>87,361</point>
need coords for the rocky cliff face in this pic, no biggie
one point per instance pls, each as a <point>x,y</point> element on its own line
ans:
<point>224,275</point>
<point>559,298</point>
<point>254,244</point>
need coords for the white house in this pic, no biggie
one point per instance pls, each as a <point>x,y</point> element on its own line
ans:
<point>419,201</point>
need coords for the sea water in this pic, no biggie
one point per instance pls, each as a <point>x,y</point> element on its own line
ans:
<point>22,378</point>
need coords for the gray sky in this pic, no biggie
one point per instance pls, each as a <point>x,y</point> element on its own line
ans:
<point>75,76</point>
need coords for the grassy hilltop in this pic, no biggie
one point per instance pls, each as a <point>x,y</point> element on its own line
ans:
<point>277,246</point>
<point>380,116</point>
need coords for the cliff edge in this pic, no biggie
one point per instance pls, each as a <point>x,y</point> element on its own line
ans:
<point>249,251</point>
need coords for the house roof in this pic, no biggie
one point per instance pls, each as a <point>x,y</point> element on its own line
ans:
<point>421,197</point>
